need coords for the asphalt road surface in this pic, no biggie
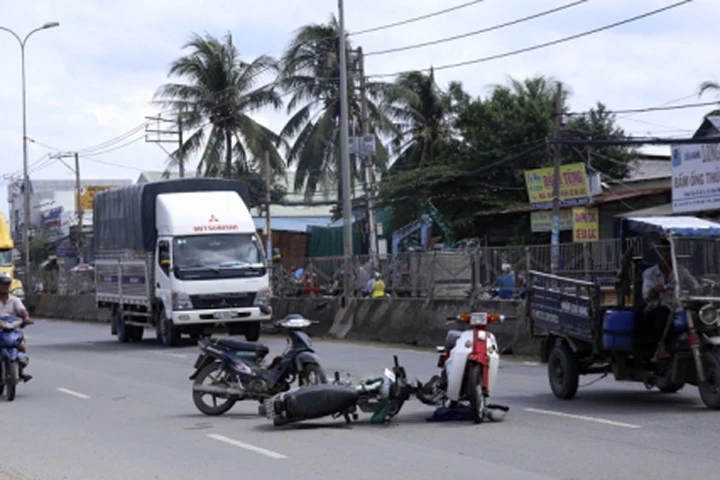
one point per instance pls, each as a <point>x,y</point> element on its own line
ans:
<point>99,410</point>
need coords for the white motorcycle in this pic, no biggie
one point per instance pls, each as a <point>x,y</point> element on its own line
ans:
<point>469,361</point>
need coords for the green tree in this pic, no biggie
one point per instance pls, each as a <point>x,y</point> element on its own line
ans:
<point>310,74</point>
<point>221,91</point>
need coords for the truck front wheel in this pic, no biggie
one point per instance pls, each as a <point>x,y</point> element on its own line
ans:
<point>167,333</point>
<point>252,331</point>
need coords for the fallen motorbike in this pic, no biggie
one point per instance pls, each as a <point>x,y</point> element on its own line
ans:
<point>382,396</point>
<point>236,371</point>
<point>11,358</point>
<point>469,361</point>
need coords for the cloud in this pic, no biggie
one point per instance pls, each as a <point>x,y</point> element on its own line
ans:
<point>92,79</point>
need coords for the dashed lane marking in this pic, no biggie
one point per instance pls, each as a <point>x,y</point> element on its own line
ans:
<point>583,417</point>
<point>247,446</point>
<point>73,394</point>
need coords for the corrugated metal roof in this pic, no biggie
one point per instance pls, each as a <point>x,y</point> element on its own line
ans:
<point>291,224</point>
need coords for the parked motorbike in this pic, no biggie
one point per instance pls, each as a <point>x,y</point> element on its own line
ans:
<point>469,361</point>
<point>11,358</point>
<point>236,369</point>
<point>382,396</point>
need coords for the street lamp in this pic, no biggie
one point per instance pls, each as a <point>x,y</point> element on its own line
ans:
<point>26,177</point>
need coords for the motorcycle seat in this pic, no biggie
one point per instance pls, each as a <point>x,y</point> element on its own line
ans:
<point>258,349</point>
<point>451,338</point>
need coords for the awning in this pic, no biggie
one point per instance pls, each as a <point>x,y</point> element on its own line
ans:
<point>681,226</point>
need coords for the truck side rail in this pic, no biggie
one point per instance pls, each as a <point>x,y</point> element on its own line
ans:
<point>123,282</point>
<point>562,306</point>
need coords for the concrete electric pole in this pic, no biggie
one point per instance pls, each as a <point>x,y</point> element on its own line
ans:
<point>555,239</point>
<point>161,136</point>
<point>345,157</point>
<point>368,166</point>
<point>78,199</point>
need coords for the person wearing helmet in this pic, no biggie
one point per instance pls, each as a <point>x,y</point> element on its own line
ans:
<point>12,306</point>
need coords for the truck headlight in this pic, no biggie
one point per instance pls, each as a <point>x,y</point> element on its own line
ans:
<point>18,292</point>
<point>708,314</point>
<point>262,297</point>
<point>181,301</point>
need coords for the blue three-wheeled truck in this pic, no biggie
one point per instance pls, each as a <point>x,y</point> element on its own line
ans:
<point>582,335</point>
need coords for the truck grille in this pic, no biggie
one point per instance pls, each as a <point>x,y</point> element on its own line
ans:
<point>223,300</point>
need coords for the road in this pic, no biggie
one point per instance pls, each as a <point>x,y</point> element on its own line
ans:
<point>99,410</point>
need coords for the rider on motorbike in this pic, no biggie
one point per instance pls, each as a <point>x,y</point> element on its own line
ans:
<point>12,306</point>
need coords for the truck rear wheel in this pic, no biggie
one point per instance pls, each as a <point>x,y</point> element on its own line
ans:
<point>121,330</point>
<point>563,372</point>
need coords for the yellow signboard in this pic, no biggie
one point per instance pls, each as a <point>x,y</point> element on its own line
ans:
<point>586,224</point>
<point>541,221</point>
<point>574,186</point>
<point>87,195</point>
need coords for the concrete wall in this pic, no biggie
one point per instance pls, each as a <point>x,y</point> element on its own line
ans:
<point>411,321</point>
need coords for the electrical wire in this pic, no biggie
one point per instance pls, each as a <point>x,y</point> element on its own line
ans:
<point>540,45</point>
<point>653,109</point>
<point>415,19</point>
<point>477,32</point>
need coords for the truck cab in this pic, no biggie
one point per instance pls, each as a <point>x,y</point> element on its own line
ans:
<point>210,263</point>
<point>7,265</point>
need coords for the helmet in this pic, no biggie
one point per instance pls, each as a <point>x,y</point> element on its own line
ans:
<point>5,279</point>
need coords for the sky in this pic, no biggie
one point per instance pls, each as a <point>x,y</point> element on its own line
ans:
<point>91,80</point>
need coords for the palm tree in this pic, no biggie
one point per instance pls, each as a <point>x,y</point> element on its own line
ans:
<point>221,92</point>
<point>310,74</point>
<point>422,113</point>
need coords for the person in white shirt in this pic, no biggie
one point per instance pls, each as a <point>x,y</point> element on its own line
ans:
<point>12,306</point>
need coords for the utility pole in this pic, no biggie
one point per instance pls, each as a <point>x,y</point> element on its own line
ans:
<point>345,156</point>
<point>268,198</point>
<point>555,240</point>
<point>161,137</point>
<point>368,164</point>
<point>78,200</point>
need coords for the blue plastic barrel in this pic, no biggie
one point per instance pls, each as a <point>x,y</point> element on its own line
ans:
<point>618,328</point>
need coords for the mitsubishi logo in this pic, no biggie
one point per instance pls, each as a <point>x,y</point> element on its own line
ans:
<point>213,218</point>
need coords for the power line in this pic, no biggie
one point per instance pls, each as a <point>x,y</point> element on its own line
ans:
<point>477,32</point>
<point>538,46</point>
<point>421,17</point>
<point>652,109</point>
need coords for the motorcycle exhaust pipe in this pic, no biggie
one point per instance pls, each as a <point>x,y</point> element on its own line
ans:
<point>217,390</point>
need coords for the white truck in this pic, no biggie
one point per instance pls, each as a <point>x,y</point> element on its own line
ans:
<point>182,256</point>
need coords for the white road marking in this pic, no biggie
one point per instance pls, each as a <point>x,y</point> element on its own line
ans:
<point>170,354</point>
<point>583,417</point>
<point>531,363</point>
<point>247,446</point>
<point>74,394</point>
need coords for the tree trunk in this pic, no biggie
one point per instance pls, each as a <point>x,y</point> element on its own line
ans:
<point>228,154</point>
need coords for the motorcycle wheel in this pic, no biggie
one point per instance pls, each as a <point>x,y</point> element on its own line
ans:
<point>311,374</point>
<point>475,393</point>
<point>11,379</point>
<point>710,390</point>
<point>198,397</point>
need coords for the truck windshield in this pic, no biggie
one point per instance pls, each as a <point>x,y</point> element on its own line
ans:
<point>213,256</point>
<point>5,258</point>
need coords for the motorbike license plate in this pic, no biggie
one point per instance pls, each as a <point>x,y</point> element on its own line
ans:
<point>224,314</point>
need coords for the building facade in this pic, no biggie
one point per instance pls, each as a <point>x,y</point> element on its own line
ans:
<point>52,205</point>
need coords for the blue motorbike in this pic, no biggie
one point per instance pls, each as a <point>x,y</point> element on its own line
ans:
<point>11,358</point>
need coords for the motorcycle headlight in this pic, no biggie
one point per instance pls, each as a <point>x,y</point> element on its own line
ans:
<point>708,314</point>
<point>262,297</point>
<point>181,301</point>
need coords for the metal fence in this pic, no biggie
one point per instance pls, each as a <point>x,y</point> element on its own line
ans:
<point>464,273</point>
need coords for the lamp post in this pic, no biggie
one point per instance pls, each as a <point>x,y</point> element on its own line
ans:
<point>26,177</point>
